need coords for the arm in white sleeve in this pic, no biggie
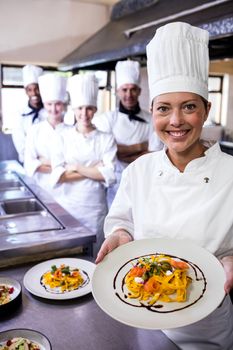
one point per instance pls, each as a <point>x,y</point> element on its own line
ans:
<point>120,213</point>
<point>31,161</point>
<point>109,159</point>
<point>19,137</point>
<point>57,160</point>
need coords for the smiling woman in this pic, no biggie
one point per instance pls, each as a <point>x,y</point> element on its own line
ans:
<point>83,159</point>
<point>178,120</point>
<point>179,189</point>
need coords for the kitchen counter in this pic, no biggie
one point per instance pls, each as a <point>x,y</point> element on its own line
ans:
<point>78,323</point>
<point>66,236</point>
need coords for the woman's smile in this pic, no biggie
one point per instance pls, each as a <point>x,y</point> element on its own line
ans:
<point>177,133</point>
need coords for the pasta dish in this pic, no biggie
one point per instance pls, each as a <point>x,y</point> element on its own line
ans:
<point>158,278</point>
<point>5,293</point>
<point>62,279</point>
<point>19,344</point>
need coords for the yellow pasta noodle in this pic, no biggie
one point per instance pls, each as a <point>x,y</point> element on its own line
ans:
<point>62,278</point>
<point>158,277</point>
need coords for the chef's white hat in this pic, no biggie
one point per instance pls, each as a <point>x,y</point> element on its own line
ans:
<point>127,72</point>
<point>83,90</point>
<point>52,87</point>
<point>178,60</point>
<point>31,74</point>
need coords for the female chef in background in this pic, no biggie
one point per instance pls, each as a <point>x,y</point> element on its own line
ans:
<point>39,140</point>
<point>188,191</point>
<point>83,159</point>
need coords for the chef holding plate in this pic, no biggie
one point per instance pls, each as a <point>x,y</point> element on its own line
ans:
<point>184,191</point>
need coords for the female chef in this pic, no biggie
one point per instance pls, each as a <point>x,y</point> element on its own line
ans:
<point>40,137</point>
<point>83,159</point>
<point>188,190</point>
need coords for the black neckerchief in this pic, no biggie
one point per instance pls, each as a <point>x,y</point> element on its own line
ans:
<point>132,112</point>
<point>34,111</point>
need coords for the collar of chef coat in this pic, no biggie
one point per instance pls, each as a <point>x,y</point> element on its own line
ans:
<point>89,135</point>
<point>212,152</point>
<point>57,127</point>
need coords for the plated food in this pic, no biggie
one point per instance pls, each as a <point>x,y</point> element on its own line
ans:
<point>157,278</point>
<point>10,295</point>
<point>20,343</point>
<point>6,293</point>
<point>63,278</point>
<point>23,339</point>
<point>159,283</point>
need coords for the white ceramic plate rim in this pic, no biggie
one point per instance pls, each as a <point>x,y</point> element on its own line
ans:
<point>30,334</point>
<point>105,297</point>
<point>32,278</point>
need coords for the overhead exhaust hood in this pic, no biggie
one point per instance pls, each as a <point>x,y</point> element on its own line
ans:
<point>126,36</point>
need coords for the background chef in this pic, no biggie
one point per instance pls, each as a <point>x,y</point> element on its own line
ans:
<point>32,113</point>
<point>83,160</point>
<point>130,125</point>
<point>39,140</point>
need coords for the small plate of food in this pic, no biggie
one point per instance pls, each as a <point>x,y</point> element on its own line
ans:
<point>10,295</point>
<point>63,278</point>
<point>159,283</point>
<point>23,339</point>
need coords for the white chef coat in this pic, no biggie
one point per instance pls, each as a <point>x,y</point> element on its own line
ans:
<point>127,132</point>
<point>22,125</point>
<point>39,143</point>
<point>85,199</point>
<point>156,200</point>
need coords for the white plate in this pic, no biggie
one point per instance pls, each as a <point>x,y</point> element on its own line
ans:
<point>204,297</point>
<point>32,335</point>
<point>33,276</point>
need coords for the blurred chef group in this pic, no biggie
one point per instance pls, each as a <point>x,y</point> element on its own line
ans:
<point>80,165</point>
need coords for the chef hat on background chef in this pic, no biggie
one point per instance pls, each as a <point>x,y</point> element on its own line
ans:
<point>83,90</point>
<point>178,60</point>
<point>127,72</point>
<point>31,74</point>
<point>52,87</point>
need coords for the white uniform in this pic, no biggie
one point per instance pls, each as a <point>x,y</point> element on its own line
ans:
<point>39,143</point>
<point>23,123</point>
<point>127,132</point>
<point>85,199</point>
<point>156,200</point>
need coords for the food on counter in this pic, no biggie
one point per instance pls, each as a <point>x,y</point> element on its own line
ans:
<point>5,293</point>
<point>158,278</point>
<point>19,344</point>
<point>62,279</point>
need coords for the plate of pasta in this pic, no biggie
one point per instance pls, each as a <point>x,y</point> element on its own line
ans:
<point>23,339</point>
<point>159,283</point>
<point>10,295</point>
<point>63,278</point>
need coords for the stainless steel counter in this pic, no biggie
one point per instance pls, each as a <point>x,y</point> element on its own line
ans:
<point>78,323</point>
<point>32,225</point>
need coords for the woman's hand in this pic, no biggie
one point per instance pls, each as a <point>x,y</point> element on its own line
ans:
<point>227,263</point>
<point>113,241</point>
<point>71,167</point>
